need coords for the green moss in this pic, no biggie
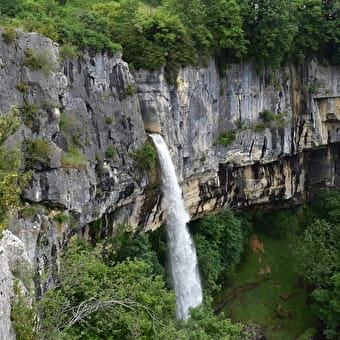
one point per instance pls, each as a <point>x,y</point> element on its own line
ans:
<point>226,138</point>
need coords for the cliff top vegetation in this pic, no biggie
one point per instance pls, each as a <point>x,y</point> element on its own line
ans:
<point>174,33</point>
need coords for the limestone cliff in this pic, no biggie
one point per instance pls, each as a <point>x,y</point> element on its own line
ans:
<point>95,103</point>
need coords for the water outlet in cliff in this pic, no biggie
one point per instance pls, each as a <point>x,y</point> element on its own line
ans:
<point>182,253</point>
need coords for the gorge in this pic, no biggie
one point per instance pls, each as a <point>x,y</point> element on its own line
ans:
<point>87,104</point>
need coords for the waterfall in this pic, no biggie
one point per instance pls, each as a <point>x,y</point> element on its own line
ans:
<point>182,253</point>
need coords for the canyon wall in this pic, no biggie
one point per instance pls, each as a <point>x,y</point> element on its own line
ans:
<point>96,104</point>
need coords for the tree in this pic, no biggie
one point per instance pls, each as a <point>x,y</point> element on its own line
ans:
<point>219,243</point>
<point>327,306</point>
<point>95,300</point>
<point>270,27</point>
<point>311,34</point>
<point>10,7</point>
<point>318,256</point>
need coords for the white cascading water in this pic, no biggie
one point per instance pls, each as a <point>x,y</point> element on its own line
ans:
<point>182,253</point>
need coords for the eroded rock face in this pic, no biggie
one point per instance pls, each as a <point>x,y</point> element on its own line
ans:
<point>270,161</point>
<point>14,264</point>
<point>88,104</point>
<point>97,106</point>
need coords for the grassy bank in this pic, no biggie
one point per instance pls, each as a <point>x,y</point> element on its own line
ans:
<point>266,290</point>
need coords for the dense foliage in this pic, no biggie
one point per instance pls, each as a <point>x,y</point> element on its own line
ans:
<point>318,256</point>
<point>11,181</point>
<point>219,242</point>
<point>99,297</point>
<point>174,33</point>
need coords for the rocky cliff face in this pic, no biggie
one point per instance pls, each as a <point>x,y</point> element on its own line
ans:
<point>272,159</point>
<point>95,104</point>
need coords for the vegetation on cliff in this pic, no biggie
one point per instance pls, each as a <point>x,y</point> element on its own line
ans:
<point>174,33</point>
<point>11,180</point>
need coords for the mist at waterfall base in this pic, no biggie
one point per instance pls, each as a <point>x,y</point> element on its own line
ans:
<point>182,253</point>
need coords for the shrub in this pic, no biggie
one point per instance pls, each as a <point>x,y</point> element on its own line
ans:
<point>145,157</point>
<point>73,158</point>
<point>41,61</point>
<point>226,138</point>
<point>22,87</point>
<point>47,106</point>
<point>31,211</point>
<point>76,138</point>
<point>29,112</point>
<point>267,116</point>
<point>259,127</point>
<point>61,217</point>
<point>240,123</point>
<point>277,224</point>
<point>281,120</point>
<point>110,152</point>
<point>9,35</point>
<point>38,151</point>
<point>131,89</point>
<point>9,124</point>
<point>66,122</point>
<point>108,120</point>
<point>22,315</point>
<point>68,51</point>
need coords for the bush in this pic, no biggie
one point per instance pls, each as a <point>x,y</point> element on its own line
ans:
<point>29,112</point>
<point>277,224</point>
<point>226,138</point>
<point>110,152</point>
<point>240,123</point>
<point>131,89</point>
<point>219,241</point>
<point>38,151</point>
<point>73,158</point>
<point>67,122</point>
<point>9,35</point>
<point>259,127</point>
<point>61,217</point>
<point>22,315</point>
<point>145,157</point>
<point>108,120</point>
<point>68,51</point>
<point>41,61</point>
<point>267,116</point>
<point>31,211</point>
<point>22,87</point>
